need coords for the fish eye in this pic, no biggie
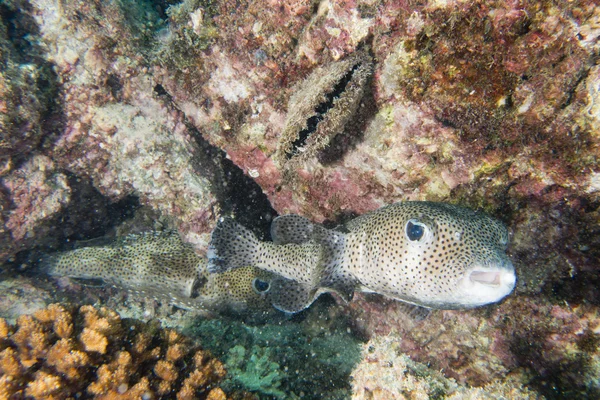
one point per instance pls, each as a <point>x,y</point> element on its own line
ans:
<point>260,286</point>
<point>415,230</point>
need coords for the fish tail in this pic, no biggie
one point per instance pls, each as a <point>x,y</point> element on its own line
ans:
<point>231,246</point>
<point>47,264</point>
<point>82,263</point>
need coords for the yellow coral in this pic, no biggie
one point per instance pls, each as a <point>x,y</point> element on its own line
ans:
<point>165,370</point>
<point>121,358</point>
<point>93,341</point>
<point>3,328</point>
<point>9,364</point>
<point>45,386</point>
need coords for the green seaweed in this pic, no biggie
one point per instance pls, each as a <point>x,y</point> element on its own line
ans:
<point>282,359</point>
<point>253,370</point>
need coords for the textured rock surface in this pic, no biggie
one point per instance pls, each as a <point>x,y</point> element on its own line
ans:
<point>552,349</point>
<point>493,105</point>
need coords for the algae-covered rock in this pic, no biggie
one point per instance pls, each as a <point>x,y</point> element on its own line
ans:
<point>282,359</point>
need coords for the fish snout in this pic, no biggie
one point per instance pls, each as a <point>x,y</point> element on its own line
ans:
<point>489,284</point>
<point>496,278</point>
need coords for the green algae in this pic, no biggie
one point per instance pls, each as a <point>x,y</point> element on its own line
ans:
<point>253,370</point>
<point>282,360</point>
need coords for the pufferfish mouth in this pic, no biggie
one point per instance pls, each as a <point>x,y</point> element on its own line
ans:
<point>494,278</point>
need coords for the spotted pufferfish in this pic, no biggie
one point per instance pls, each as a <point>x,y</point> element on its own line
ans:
<point>428,254</point>
<point>160,265</point>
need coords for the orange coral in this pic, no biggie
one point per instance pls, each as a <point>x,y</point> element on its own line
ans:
<point>93,341</point>
<point>3,329</point>
<point>216,394</point>
<point>165,370</point>
<point>62,352</point>
<point>175,352</point>
<point>45,386</point>
<point>66,359</point>
<point>31,339</point>
<point>59,317</point>
<point>9,365</point>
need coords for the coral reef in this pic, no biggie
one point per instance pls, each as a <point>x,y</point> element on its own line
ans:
<point>29,89</point>
<point>59,353</point>
<point>116,132</point>
<point>255,371</point>
<point>491,104</point>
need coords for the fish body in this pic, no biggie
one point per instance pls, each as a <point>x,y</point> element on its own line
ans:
<point>160,265</point>
<point>429,254</point>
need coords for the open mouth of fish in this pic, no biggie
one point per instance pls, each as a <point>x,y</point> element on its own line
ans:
<point>493,278</point>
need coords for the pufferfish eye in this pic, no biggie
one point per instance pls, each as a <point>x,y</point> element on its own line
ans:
<point>415,230</point>
<point>260,286</point>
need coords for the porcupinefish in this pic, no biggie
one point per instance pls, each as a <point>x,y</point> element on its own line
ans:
<point>429,254</point>
<point>162,266</point>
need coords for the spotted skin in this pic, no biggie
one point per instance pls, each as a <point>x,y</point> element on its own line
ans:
<point>160,265</point>
<point>429,254</point>
<point>427,273</point>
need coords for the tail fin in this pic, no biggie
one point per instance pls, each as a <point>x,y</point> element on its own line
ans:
<point>231,246</point>
<point>84,263</point>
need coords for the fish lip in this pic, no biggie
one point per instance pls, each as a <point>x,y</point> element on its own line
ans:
<point>493,277</point>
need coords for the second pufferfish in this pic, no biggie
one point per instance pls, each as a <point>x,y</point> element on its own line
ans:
<point>160,265</point>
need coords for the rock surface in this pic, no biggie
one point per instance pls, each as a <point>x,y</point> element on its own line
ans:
<point>193,109</point>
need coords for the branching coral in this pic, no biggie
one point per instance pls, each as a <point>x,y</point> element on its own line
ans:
<point>58,353</point>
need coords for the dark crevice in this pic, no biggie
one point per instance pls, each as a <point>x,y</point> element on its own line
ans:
<point>161,7</point>
<point>115,86</point>
<point>21,30</point>
<point>446,123</point>
<point>571,93</point>
<point>238,195</point>
<point>321,111</point>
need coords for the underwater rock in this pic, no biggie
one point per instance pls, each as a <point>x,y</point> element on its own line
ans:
<point>493,105</point>
<point>30,103</point>
<point>35,192</point>
<point>387,373</point>
<point>116,134</point>
<point>553,348</point>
